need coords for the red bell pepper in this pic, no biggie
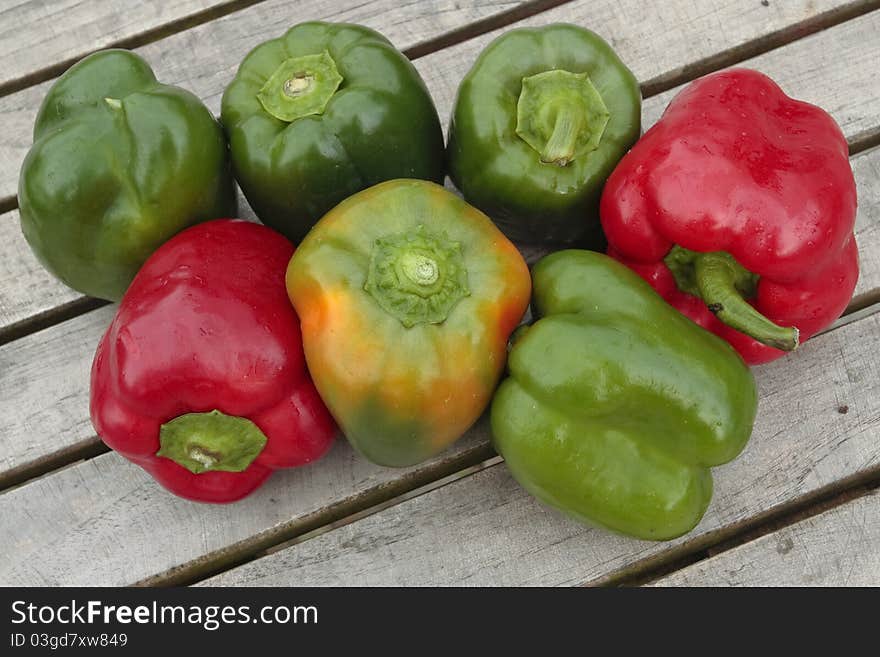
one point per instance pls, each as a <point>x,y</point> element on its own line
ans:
<point>738,206</point>
<point>200,378</point>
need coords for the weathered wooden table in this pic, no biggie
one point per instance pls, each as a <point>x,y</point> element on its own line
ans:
<point>800,506</point>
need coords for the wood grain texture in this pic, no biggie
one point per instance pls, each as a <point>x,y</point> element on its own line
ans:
<point>27,290</point>
<point>31,279</point>
<point>105,521</point>
<point>44,385</point>
<point>662,40</point>
<point>486,530</point>
<point>666,37</point>
<point>830,57</point>
<point>840,547</point>
<point>37,34</point>
<point>77,513</point>
<point>204,59</point>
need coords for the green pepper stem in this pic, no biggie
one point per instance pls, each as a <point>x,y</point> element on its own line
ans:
<point>561,146</point>
<point>300,86</point>
<point>417,276</point>
<point>205,442</point>
<point>716,276</point>
<point>560,115</point>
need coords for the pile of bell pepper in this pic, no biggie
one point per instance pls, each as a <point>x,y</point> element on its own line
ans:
<point>398,317</point>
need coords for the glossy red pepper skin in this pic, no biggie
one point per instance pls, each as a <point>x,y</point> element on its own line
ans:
<point>735,165</point>
<point>206,324</point>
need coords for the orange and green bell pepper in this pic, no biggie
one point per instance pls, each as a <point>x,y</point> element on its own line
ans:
<point>617,405</point>
<point>407,296</point>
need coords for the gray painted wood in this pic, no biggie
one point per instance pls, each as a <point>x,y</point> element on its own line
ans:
<point>44,387</point>
<point>61,522</point>
<point>72,429</point>
<point>840,547</point>
<point>204,59</point>
<point>104,521</point>
<point>665,38</point>
<point>671,35</point>
<point>486,530</point>
<point>36,34</point>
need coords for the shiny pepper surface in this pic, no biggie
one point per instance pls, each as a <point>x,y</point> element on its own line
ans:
<point>322,112</point>
<point>738,206</point>
<point>200,378</point>
<point>616,405</point>
<point>540,121</point>
<point>407,296</point>
<point>120,163</point>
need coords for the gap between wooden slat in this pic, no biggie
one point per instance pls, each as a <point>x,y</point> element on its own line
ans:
<point>50,318</point>
<point>390,502</point>
<point>649,88</point>
<point>862,141</point>
<point>134,41</point>
<point>797,511</point>
<point>328,518</point>
<point>475,29</point>
<point>757,47</point>
<point>187,577</point>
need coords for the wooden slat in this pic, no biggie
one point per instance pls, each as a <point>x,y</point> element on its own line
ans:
<point>486,530</point>
<point>840,547</point>
<point>657,46</point>
<point>866,168</point>
<point>837,52</point>
<point>118,527</point>
<point>79,526</point>
<point>45,393</point>
<point>787,69</point>
<point>44,376</point>
<point>38,34</point>
<point>29,293</point>
<point>204,59</point>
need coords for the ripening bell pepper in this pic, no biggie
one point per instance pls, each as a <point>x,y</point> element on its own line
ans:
<point>200,378</point>
<point>119,164</point>
<point>738,206</point>
<point>407,296</point>
<point>539,123</point>
<point>323,112</point>
<point>617,405</point>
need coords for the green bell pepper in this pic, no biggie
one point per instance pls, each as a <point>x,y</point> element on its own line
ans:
<point>539,123</point>
<point>119,164</point>
<point>617,405</point>
<point>323,112</point>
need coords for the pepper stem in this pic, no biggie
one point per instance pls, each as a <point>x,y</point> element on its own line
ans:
<point>205,442</point>
<point>560,115</point>
<point>300,86</point>
<point>417,276</point>
<point>716,277</point>
<point>560,148</point>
